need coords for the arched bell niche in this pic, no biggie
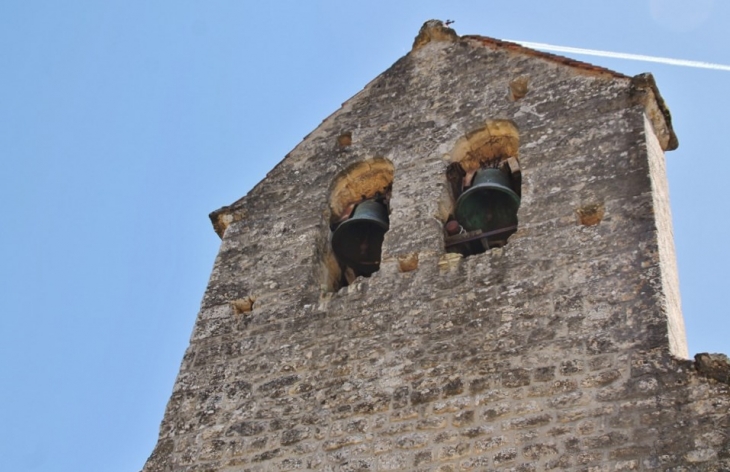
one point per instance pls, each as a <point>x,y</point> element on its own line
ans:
<point>485,182</point>
<point>359,205</point>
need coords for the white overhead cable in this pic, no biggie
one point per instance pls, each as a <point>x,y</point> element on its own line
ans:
<point>621,55</point>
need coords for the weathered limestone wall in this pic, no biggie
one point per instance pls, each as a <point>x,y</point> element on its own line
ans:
<point>553,352</point>
<point>665,242</point>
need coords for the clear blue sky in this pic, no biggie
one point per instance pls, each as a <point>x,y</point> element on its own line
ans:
<point>124,123</point>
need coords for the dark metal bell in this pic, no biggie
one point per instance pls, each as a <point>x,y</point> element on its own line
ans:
<point>357,241</point>
<point>490,204</point>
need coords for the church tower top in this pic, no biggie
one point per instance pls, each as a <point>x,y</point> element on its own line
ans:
<point>468,266</point>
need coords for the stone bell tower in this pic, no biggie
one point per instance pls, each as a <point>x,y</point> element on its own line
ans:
<point>469,266</point>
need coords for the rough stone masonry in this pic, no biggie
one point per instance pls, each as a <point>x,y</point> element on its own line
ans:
<point>561,350</point>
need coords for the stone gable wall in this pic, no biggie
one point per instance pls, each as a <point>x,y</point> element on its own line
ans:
<point>551,353</point>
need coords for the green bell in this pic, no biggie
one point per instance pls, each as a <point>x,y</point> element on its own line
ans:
<point>489,205</point>
<point>358,241</point>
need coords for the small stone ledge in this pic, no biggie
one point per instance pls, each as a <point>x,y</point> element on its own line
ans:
<point>223,217</point>
<point>243,305</point>
<point>714,366</point>
<point>408,262</point>
<point>590,215</point>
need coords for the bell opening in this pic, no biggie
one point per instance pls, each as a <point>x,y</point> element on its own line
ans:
<point>485,213</point>
<point>357,242</point>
